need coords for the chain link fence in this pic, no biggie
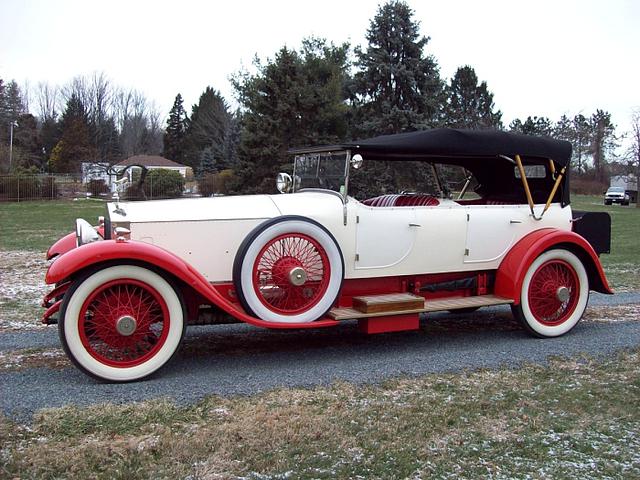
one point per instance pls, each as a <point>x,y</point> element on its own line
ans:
<point>20,188</point>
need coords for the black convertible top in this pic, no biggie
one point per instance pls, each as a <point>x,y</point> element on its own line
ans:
<point>446,142</point>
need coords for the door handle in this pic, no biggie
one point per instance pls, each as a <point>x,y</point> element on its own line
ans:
<point>515,221</point>
<point>414,225</point>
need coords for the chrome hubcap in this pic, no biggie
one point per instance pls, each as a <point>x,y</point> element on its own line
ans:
<point>126,325</point>
<point>297,276</point>
<point>563,294</point>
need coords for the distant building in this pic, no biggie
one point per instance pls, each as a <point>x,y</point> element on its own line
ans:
<point>153,162</point>
<point>95,171</point>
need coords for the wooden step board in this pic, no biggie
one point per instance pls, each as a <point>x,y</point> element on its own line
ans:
<point>453,303</point>
<point>392,302</point>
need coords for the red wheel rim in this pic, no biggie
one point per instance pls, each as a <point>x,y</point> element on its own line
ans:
<point>275,265</point>
<point>547,292</point>
<point>109,304</point>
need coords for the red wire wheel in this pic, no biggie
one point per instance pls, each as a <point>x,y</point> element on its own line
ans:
<point>553,292</point>
<point>291,273</point>
<point>123,323</point>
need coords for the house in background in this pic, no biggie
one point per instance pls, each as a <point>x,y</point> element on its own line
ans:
<point>153,162</point>
<point>95,171</point>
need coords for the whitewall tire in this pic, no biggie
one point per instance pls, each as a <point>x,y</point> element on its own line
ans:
<point>288,270</point>
<point>121,323</point>
<point>554,294</point>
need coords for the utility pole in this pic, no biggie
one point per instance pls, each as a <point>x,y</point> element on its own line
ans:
<point>12,125</point>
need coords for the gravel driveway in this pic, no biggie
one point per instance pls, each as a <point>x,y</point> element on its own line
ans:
<point>240,359</point>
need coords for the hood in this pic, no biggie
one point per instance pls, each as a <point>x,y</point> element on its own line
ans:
<point>194,209</point>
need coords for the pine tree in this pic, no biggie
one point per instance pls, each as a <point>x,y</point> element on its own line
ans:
<point>537,126</point>
<point>207,127</point>
<point>397,88</point>
<point>469,104</point>
<point>175,132</point>
<point>75,146</point>
<point>232,142</point>
<point>296,99</point>
<point>603,140</point>
<point>207,162</point>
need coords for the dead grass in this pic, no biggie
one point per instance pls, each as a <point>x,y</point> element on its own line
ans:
<point>575,418</point>
<point>21,289</point>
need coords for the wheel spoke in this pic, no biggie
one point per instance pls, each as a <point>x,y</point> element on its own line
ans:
<point>273,267</point>
<point>104,308</point>
<point>544,289</point>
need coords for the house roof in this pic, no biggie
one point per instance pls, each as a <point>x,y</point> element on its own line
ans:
<point>150,161</point>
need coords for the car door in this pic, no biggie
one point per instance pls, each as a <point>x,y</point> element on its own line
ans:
<point>385,236</point>
<point>492,231</point>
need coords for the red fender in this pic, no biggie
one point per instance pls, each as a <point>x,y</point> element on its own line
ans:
<point>67,243</point>
<point>103,251</point>
<point>62,246</point>
<point>514,266</point>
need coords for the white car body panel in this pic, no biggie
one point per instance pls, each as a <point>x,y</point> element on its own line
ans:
<point>374,241</point>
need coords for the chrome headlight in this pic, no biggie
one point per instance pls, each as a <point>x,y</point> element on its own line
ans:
<point>85,233</point>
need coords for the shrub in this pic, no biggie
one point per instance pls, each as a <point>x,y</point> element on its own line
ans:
<point>49,187</point>
<point>206,185</point>
<point>163,183</point>
<point>20,187</point>
<point>97,187</point>
<point>220,182</point>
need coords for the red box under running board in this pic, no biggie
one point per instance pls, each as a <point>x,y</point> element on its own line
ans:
<point>391,323</point>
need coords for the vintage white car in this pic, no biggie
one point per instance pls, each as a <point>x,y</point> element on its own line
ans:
<point>498,229</point>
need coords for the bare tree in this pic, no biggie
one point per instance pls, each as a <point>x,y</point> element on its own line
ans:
<point>47,99</point>
<point>635,150</point>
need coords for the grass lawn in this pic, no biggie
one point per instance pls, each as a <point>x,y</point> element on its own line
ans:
<point>36,225</point>
<point>572,419</point>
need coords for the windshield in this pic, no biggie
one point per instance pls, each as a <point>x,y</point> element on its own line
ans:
<point>320,170</point>
<point>616,190</point>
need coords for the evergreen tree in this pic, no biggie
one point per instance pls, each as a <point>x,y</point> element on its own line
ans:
<point>26,143</point>
<point>536,126</point>
<point>581,142</point>
<point>296,99</point>
<point>207,127</point>
<point>75,145</point>
<point>603,140</point>
<point>11,107</point>
<point>397,88</point>
<point>232,142</point>
<point>207,161</point>
<point>469,104</point>
<point>175,132</point>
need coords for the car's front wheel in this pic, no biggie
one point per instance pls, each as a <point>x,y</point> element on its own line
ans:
<point>121,323</point>
<point>288,270</point>
<point>554,294</point>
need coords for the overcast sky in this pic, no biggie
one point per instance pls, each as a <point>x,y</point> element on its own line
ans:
<point>538,58</point>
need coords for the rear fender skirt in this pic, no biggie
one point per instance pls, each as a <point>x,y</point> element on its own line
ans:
<point>511,271</point>
<point>111,250</point>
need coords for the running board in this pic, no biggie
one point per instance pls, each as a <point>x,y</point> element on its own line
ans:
<point>454,303</point>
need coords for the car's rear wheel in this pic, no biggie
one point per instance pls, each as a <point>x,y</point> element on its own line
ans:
<point>288,270</point>
<point>554,294</point>
<point>121,323</point>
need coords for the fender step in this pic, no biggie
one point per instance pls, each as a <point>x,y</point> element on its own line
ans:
<point>454,303</point>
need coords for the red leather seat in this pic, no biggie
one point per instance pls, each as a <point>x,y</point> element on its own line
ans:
<point>403,200</point>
